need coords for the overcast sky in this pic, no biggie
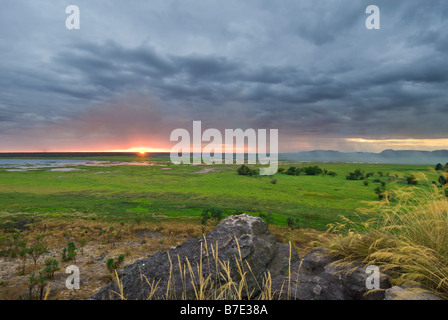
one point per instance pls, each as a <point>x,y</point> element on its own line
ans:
<point>136,70</point>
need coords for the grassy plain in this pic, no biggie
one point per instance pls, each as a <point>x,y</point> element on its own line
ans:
<point>162,190</point>
<point>138,206</point>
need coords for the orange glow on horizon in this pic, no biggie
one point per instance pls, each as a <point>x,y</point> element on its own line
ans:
<point>289,145</point>
<point>141,150</point>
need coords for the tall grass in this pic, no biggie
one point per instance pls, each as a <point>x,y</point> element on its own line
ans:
<point>408,238</point>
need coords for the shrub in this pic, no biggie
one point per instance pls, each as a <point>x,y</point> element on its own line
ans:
<point>380,191</point>
<point>268,218</point>
<point>312,170</point>
<point>356,175</point>
<point>293,223</point>
<point>216,214</point>
<point>37,249</point>
<point>237,211</point>
<point>13,244</point>
<point>442,180</point>
<point>113,264</point>
<point>82,244</point>
<point>32,282</point>
<point>23,253</point>
<point>445,168</point>
<point>246,171</point>
<point>293,171</point>
<point>51,266</point>
<point>243,170</point>
<point>111,235</point>
<point>40,282</point>
<point>70,252</point>
<point>412,180</point>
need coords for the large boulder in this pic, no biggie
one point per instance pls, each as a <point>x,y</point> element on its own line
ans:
<point>318,276</point>
<point>409,293</point>
<point>240,244</point>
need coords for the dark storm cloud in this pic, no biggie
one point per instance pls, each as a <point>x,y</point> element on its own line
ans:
<point>206,77</point>
<point>305,67</point>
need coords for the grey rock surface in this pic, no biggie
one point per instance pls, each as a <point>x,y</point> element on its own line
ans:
<point>318,276</point>
<point>239,239</point>
<point>410,293</point>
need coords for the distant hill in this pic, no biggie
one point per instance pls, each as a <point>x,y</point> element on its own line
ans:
<point>386,156</point>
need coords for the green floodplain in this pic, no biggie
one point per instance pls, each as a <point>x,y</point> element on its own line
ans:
<point>126,188</point>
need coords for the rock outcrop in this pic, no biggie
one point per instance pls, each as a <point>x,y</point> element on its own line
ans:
<point>318,276</point>
<point>410,293</point>
<point>243,245</point>
<point>238,241</point>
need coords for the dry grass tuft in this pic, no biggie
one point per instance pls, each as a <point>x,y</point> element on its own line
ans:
<point>408,238</point>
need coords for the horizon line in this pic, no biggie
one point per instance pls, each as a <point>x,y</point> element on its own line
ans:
<point>192,152</point>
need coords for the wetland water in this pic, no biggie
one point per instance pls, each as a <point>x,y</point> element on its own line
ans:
<point>62,164</point>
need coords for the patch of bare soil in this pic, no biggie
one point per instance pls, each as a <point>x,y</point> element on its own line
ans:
<point>99,245</point>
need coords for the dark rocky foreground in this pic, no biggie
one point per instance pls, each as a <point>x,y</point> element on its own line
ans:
<point>242,241</point>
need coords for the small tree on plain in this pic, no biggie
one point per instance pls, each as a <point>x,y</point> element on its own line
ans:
<point>412,180</point>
